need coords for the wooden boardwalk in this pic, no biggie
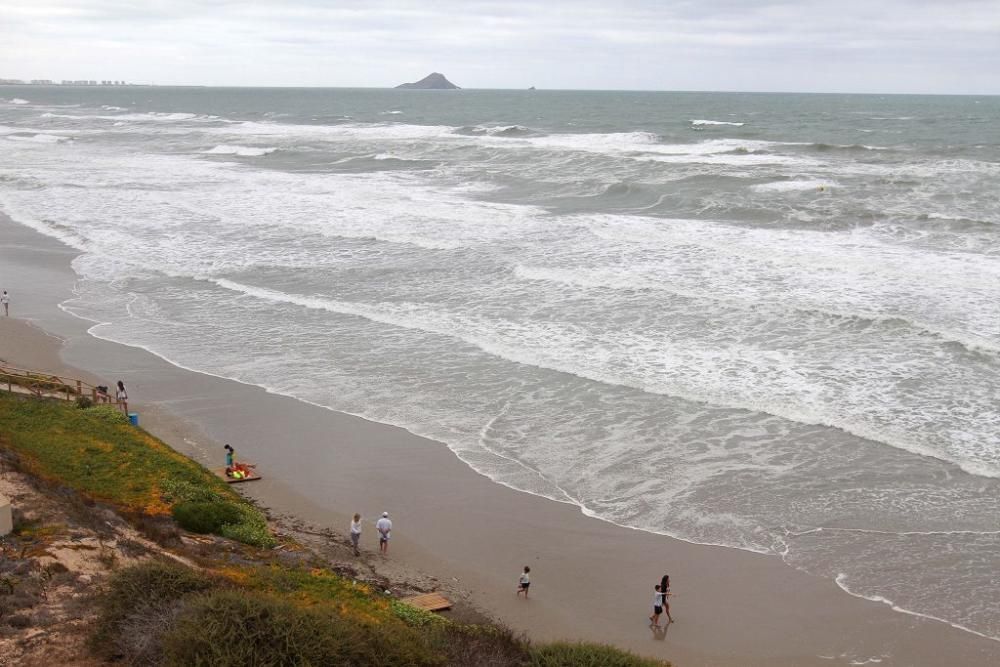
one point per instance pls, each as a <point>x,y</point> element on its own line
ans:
<point>41,384</point>
<point>428,602</point>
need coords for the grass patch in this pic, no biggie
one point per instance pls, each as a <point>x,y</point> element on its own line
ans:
<point>566,654</point>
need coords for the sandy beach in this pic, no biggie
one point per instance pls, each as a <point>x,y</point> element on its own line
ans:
<point>591,580</point>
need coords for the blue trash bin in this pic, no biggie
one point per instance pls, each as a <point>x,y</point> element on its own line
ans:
<point>133,419</point>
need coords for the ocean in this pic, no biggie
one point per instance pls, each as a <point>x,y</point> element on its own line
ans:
<point>769,322</point>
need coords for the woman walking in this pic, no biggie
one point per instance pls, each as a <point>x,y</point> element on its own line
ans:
<point>665,592</point>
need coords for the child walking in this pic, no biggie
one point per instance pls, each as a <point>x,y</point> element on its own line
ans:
<point>657,606</point>
<point>524,582</point>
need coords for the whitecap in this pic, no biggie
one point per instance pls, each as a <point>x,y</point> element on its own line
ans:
<point>793,186</point>
<point>716,122</point>
<point>240,151</point>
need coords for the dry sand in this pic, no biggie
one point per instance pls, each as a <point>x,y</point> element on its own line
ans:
<point>591,580</point>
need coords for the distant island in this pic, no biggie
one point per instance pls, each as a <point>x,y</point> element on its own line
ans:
<point>433,81</point>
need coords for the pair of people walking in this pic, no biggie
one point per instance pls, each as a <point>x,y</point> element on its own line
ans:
<point>661,603</point>
<point>384,528</point>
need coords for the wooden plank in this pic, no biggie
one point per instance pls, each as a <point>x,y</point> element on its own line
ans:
<point>221,472</point>
<point>428,602</point>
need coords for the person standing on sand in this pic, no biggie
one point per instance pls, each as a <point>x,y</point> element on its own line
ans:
<point>356,533</point>
<point>384,528</point>
<point>122,396</point>
<point>524,582</point>
<point>230,454</point>
<point>5,300</point>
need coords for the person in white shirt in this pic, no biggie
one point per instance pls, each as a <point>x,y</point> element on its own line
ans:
<point>5,300</point>
<point>122,396</point>
<point>384,528</point>
<point>356,533</point>
<point>657,607</point>
<point>524,582</point>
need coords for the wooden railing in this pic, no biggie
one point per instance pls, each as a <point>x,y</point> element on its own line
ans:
<point>45,385</point>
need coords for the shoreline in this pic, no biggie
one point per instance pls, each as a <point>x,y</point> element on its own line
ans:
<point>734,607</point>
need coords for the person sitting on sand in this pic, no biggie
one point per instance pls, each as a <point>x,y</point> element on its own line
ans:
<point>524,582</point>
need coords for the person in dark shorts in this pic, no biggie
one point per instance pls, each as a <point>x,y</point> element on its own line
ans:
<point>657,606</point>
<point>524,582</point>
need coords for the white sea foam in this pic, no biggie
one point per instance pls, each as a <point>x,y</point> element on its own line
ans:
<point>794,186</point>
<point>241,151</point>
<point>17,100</point>
<point>841,581</point>
<point>716,122</point>
<point>156,117</point>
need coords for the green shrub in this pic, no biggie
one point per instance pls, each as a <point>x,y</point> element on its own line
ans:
<point>232,629</point>
<point>179,490</point>
<point>565,654</point>
<point>108,413</point>
<point>134,594</point>
<point>84,402</point>
<point>206,518</point>
<point>251,528</point>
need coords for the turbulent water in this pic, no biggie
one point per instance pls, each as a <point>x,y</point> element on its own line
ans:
<point>769,322</point>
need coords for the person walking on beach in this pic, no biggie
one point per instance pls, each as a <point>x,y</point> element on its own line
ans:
<point>122,396</point>
<point>657,606</point>
<point>384,528</point>
<point>230,456</point>
<point>665,590</point>
<point>356,533</point>
<point>524,582</point>
<point>5,300</point>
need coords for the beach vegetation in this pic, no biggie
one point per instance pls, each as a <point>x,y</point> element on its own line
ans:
<point>98,454</point>
<point>109,413</point>
<point>130,597</point>
<point>583,654</point>
<point>205,518</point>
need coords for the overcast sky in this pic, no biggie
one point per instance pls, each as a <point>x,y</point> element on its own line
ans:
<point>890,46</point>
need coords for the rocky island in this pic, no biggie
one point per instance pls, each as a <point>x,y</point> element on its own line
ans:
<point>433,81</point>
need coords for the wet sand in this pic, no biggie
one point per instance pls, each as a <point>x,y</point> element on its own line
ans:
<point>591,580</point>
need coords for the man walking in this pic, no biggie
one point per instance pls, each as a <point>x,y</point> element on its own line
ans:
<point>384,528</point>
<point>5,300</point>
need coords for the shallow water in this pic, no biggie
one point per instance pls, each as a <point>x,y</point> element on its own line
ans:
<point>762,321</point>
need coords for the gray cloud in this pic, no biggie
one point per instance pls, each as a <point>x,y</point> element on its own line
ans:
<point>808,45</point>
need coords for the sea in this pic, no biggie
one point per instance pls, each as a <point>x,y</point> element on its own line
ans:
<point>769,322</point>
